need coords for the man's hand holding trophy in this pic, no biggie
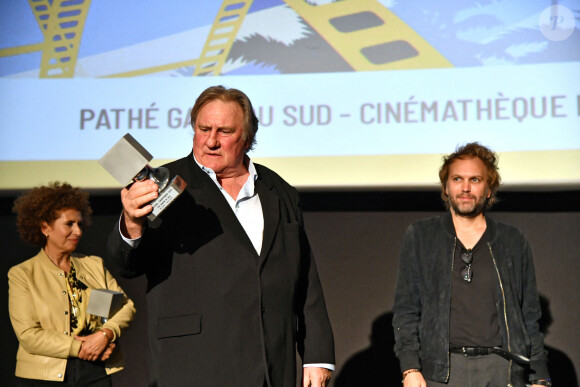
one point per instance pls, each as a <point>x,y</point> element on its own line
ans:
<point>128,161</point>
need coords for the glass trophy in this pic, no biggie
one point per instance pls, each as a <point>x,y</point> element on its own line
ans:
<point>128,161</point>
<point>103,304</point>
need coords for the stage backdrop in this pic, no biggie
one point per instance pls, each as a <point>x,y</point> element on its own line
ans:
<point>356,238</point>
<point>352,93</point>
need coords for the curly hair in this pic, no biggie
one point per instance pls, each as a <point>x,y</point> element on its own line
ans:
<point>43,204</point>
<point>224,94</point>
<point>470,151</point>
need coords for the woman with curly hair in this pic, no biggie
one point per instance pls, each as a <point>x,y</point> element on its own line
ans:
<point>49,293</point>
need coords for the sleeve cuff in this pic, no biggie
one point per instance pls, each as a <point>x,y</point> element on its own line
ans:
<point>538,370</point>
<point>320,365</point>
<point>75,348</point>
<point>408,360</point>
<point>130,242</point>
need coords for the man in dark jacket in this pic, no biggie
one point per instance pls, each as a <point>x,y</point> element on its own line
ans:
<point>466,304</point>
<point>233,290</point>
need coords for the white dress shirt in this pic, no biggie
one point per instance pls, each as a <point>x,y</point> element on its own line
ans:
<point>246,206</point>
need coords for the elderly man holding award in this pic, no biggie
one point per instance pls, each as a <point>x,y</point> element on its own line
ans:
<point>232,286</point>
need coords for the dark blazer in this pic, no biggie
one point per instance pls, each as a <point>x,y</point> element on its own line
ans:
<point>219,314</point>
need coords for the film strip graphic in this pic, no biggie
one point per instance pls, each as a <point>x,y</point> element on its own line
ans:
<point>62,24</point>
<point>221,37</point>
<point>217,46</point>
<point>368,36</point>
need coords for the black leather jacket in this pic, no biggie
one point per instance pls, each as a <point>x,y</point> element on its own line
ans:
<point>423,294</point>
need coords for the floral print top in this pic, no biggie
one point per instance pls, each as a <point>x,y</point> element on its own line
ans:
<point>81,324</point>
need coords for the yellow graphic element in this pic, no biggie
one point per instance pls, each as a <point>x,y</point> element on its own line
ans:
<point>221,37</point>
<point>154,69</point>
<point>368,36</point>
<point>62,24</point>
<point>382,41</point>
<point>26,49</point>
<point>524,169</point>
<point>217,45</point>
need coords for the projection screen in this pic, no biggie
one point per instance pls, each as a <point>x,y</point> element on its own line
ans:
<point>350,94</point>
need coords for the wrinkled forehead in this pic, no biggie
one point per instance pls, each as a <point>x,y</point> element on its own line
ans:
<point>218,111</point>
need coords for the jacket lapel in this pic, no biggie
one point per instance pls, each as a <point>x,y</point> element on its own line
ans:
<point>271,209</point>
<point>207,194</point>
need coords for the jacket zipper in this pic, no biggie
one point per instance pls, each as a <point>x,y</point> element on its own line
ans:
<point>449,314</point>
<point>504,311</point>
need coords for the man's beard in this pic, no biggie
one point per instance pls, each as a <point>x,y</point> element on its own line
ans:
<point>472,212</point>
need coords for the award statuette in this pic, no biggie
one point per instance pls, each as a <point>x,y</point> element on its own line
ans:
<point>104,304</point>
<point>128,161</point>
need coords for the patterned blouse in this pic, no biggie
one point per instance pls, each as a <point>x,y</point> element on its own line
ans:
<point>81,324</point>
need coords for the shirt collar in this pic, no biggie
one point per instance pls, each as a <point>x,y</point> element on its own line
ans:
<point>248,190</point>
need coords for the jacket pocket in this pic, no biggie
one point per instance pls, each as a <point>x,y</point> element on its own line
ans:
<point>175,326</point>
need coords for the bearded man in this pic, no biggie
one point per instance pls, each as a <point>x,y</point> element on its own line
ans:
<point>466,305</point>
